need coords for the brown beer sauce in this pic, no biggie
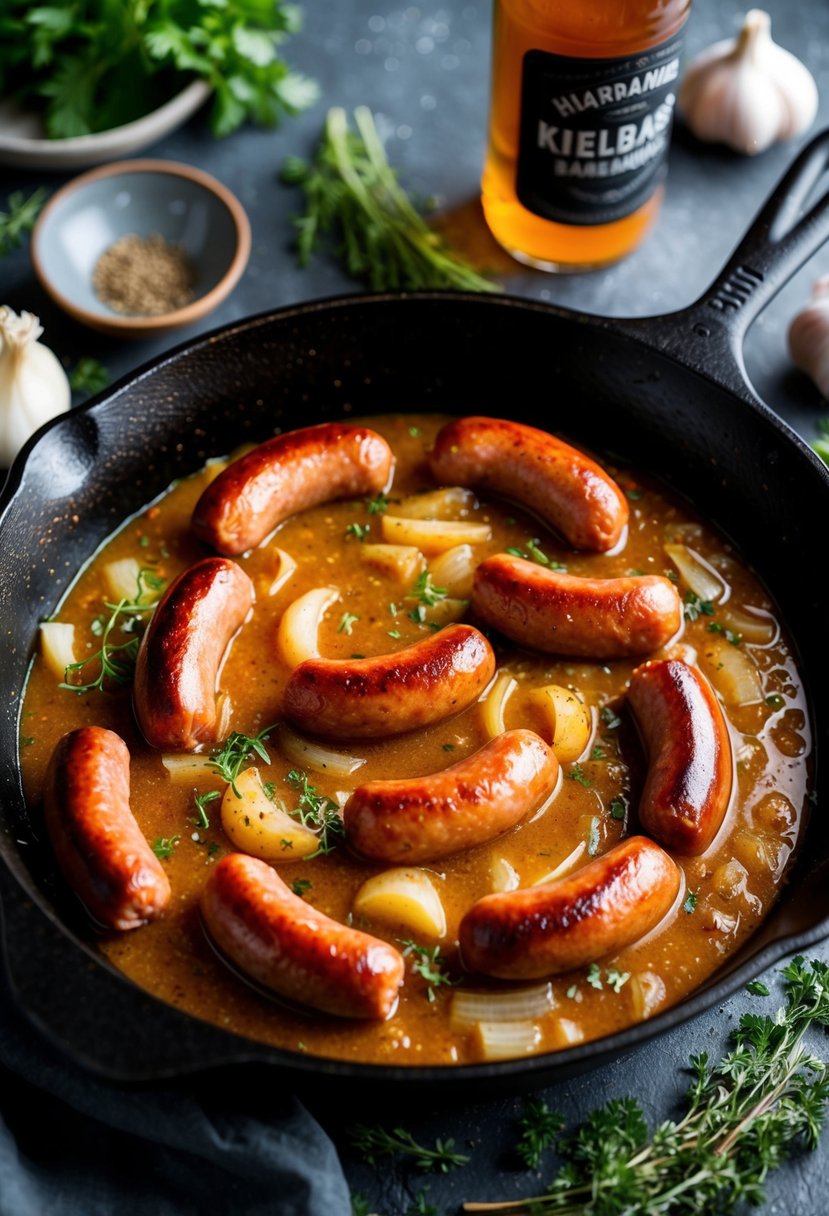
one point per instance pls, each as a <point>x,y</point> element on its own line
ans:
<point>726,892</point>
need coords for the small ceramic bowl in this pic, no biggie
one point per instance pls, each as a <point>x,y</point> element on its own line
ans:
<point>186,207</point>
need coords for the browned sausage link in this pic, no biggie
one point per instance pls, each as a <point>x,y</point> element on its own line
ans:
<point>690,767</point>
<point>393,693</point>
<point>288,474</point>
<point>558,483</point>
<point>596,618</point>
<point>280,941</point>
<point>424,818</point>
<point>98,845</point>
<point>174,694</point>
<point>609,904</point>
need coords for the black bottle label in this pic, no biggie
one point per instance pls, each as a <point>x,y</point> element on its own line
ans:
<point>595,132</point>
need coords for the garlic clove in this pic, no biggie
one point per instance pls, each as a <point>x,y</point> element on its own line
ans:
<point>748,92</point>
<point>809,337</point>
<point>33,385</point>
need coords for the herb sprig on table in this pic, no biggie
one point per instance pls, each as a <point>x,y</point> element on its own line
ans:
<point>746,1114</point>
<point>355,205</point>
<point>19,216</point>
<point>92,66</point>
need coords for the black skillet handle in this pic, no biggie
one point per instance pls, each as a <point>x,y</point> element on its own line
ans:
<point>708,336</point>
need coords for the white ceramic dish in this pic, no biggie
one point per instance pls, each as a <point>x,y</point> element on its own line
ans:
<point>23,144</point>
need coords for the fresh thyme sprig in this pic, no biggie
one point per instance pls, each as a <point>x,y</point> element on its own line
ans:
<point>315,810</point>
<point>116,660</point>
<point>374,1141</point>
<point>353,200</point>
<point>745,1115</point>
<point>235,753</point>
<point>428,963</point>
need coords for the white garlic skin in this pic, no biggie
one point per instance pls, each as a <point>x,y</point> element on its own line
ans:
<point>809,336</point>
<point>33,385</point>
<point>748,92</point>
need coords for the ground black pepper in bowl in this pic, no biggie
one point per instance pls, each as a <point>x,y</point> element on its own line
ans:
<point>144,276</point>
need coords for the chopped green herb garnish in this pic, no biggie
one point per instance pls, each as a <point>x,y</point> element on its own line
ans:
<point>347,622</point>
<point>19,217</point>
<point>695,607</point>
<point>424,591</point>
<point>577,773</point>
<point>594,976</point>
<point>616,979</point>
<point>448,747</point>
<point>617,808</point>
<point>164,846</point>
<point>202,819</point>
<point>393,609</point>
<point>415,432</point>
<point>300,885</point>
<point>361,531</point>
<point>87,377</point>
<point>394,633</point>
<point>775,700</point>
<point>597,753</point>
<point>634,493</point>
<point>427,963</point>
<point>534,553</point>
<point>690,902</point>
<point>730,636</point>
<point>377,505</point>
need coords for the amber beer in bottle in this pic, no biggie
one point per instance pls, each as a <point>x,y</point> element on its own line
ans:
<point>583,93</point>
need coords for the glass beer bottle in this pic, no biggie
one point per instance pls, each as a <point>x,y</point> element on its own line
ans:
<point>583,93</point>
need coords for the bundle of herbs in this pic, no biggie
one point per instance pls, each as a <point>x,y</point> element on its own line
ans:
<point>89,65</point>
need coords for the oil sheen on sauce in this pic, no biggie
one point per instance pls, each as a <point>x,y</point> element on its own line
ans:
<point>726,891</point>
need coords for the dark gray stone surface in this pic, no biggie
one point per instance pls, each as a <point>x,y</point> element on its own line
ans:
<point>424,69</point>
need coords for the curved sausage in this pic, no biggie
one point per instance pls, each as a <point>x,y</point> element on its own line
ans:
<point>393,693</point>
<point>97,842</point>
<point>424,818</point>
<point>690,767</point>
<point>591,618</point>
<point>609,904</point>
<point>174,693</point>
<point>561,485</point>
<point>285,475</point>
<point>280,941</point>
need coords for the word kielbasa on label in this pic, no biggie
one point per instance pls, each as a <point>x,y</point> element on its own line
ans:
<point>594,133</point>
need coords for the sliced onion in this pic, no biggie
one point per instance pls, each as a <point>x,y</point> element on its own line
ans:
<point>732,672</point>
<point>447,503</point>
<point>284,565</point>
<point>503,876</point>
<point>566,1032</point>
<point>646,992</point>
<point>516,1005</point>
<point>569,722</point>
<point>57,647</point>
<point>311,755</point>
<point>494,703</point>
<point>224,713</point>
<point>406,897</point>
<point>298,637</point>
<point>433,535</point>
<point>563,867</point>
<point>454,570</point>
<point>188,767</point>
<point>701,577</point>
<point>755,625</point>
<point>121,578</point>
<point>506,1040</point>
<point>401,562</point>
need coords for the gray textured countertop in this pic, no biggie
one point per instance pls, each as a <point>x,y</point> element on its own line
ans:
<point>424,70</point>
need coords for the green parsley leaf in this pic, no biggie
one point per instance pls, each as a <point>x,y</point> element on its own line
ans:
<point>690,902</point>
<point>164,846</point>
<point>300,885</point>
<point>757,988</point>
<point>427,963</point>
<point>695,607</point>
<point>539,1129</point>
<point>360,531</point>
<point>87,377</point>
<point>377,505</point>
<point>577,773</point>
<point>21,212</point>
<point>617,808</point>
<point>347,622</point>
<point>730,636</point>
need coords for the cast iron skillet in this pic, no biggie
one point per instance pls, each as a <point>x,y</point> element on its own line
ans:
<point>669,393</point>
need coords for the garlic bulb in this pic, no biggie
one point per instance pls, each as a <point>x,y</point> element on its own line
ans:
<point>33,385</point>
<point>748,92</point>
<point>809,336</point>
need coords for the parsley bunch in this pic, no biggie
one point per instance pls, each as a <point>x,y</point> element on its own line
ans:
<point>89,65</point>
<point>354,200</point>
